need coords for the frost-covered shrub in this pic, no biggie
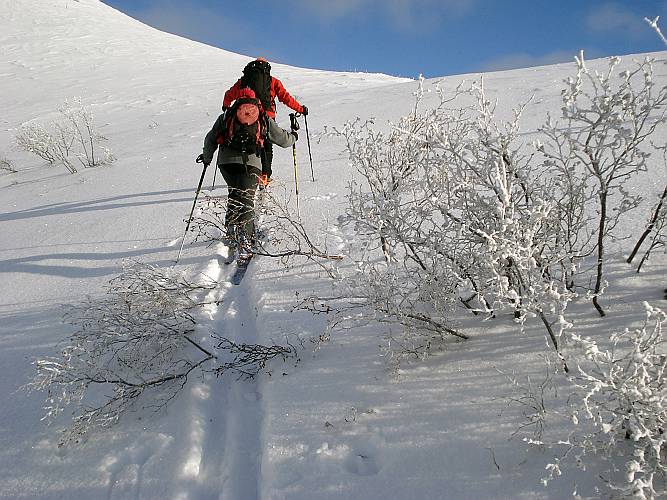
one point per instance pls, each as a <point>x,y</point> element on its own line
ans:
<point>598,145</point>
<point>620,406</point>
<point>6,165</point>
<point>450,209</point>
<point>34,138</point>
<point>70,139</point>
<point>453,206</point>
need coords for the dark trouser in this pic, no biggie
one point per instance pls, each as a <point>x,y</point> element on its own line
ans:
<point>241,187</point>
<point>267,157</point>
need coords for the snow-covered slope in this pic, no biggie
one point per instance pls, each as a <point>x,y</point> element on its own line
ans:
<point>337,426</point>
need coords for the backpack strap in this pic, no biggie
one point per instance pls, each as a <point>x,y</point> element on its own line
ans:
<point>244,155</point>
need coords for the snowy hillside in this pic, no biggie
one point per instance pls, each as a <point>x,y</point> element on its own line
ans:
<point>335,425</point>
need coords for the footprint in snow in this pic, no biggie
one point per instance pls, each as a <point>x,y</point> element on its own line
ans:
<point>362,458</point>
<point>362,465</point>
<point>324,197</point>
<point>125,469</point>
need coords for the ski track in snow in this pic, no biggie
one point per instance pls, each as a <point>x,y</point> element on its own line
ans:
<point>236,319</point>
<point>125,470</point>
<point>225,444</point>
<point>243,448</point>
<point>222,447</point>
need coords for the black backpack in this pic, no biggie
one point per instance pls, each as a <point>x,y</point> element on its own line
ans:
<point>257,76</point>
<point>245,126</point>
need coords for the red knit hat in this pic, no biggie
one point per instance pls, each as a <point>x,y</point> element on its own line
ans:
<point>247,92</point>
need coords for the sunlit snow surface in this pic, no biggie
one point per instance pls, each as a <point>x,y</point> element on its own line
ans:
<point>337,426</point>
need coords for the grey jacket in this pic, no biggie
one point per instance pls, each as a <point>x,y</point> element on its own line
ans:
<point>276,135</point>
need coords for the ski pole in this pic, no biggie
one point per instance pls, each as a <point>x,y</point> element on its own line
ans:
<point>296,181</point>
<point>200,159</point>
<point>312,173</point>
<point>295,126</point>
<point>215,172</point>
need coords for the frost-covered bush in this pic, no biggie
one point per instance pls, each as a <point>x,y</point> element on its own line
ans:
<point>453,207</point>
<point>68,141</point>
<point>6,165</point>
<point>600,143</point>
<point>450,209</point>
<point>34,138</point>
<point>620,406</point>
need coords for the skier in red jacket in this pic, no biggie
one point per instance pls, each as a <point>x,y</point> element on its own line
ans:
<point>257,76</point>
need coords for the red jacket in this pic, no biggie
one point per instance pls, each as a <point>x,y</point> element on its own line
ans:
<point>277,90</point>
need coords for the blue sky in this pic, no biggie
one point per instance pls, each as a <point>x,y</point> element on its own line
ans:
<point>409,37</point>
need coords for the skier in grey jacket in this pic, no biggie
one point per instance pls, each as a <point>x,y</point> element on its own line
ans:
<point>241,172</point>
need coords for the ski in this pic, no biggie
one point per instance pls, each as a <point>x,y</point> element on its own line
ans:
<point>241,268</point>
<point>231,255</point>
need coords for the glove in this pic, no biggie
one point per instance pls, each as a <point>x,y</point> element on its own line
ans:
<point>200,159</point>
<point>296,136</point>
<point>305,111</point>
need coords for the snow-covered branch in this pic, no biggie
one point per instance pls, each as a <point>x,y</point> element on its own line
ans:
<point>653,23</point>
<point>655,232</point>
<point>622,393</point>
<point>135,348</point>
<point>282,234</point>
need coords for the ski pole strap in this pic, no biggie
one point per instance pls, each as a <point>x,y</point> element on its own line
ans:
<point>294,124</point>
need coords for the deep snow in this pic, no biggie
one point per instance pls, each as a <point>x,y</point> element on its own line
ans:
<point>337,425</point>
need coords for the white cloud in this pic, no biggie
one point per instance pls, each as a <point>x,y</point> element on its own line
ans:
<point>425,14</point>
<point>616,18</point>
<point>189,20</point>
<point>328,9</point>
<point>404,14</point>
